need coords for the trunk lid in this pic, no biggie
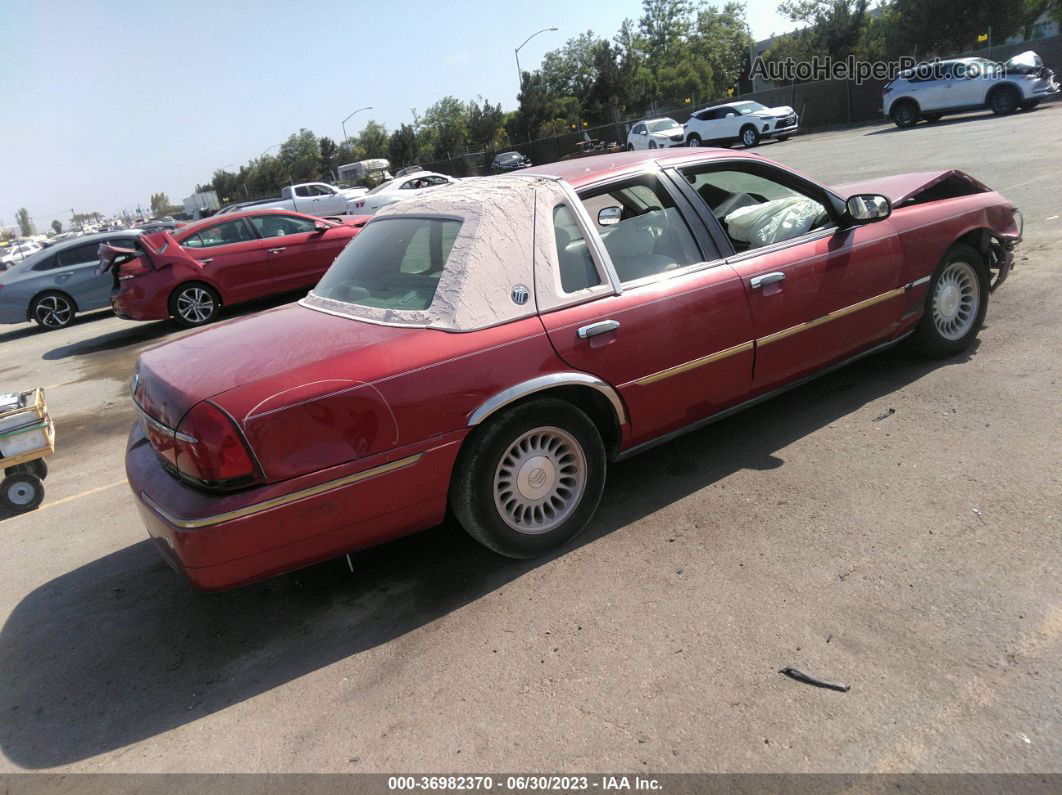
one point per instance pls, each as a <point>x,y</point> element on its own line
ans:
<point>283,348</point>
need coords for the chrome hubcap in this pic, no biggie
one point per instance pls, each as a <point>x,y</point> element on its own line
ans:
<point>540,480</point>
<point>54,311</point>
<point>20,493</point>
<point>195,305</point>
<point>956,301</point>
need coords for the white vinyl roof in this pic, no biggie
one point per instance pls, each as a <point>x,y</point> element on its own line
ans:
<point>505,250</point>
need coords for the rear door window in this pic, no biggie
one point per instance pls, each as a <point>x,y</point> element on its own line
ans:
<point>281,225</point>
<point>220,235</point>
<point>79,255</point>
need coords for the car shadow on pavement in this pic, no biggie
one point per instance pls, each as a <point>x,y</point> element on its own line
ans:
<point>967,118</point>
<point>122,649</point>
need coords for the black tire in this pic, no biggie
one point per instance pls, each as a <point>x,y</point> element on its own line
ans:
<point>21,492</point>
<point>194,304</point>
<point>53,310</point>
<point>750,136</point>
<point>652,144</point>
<point>694,140</point>
<point>929,339</point>
<point>1004,100</point>
<point>472,489</point>
<point>905,113</point>
<point>38,467</point>
<point>1029,104</point>
<point>933,117</point>
<point>630,147</point>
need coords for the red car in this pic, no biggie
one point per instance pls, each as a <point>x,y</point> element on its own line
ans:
<point>492,346</point>
<point>191,272</point>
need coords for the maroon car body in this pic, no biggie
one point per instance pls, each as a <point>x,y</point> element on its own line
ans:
<point>317,432</point>
<point>222,261</point>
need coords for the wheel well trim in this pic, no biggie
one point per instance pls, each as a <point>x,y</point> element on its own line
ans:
<point>541,383</point>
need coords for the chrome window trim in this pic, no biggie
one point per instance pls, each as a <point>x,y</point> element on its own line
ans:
<point>593,239</point>
<point>808,237</point>
<point>540,383</point>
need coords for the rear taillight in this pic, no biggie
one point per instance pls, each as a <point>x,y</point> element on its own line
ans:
<point>211,451</point>
<point>130,269</point>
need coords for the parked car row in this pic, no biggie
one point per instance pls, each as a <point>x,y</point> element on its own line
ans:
<point>745,122</point>
<point>485,349</point>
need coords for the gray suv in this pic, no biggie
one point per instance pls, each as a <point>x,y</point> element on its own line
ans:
<point>53,285</point>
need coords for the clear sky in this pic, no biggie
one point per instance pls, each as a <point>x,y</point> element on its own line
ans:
<point>110,101</point>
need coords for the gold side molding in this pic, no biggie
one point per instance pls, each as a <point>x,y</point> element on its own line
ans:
<point>839,313</point>
<point>695,363</point>
<point>276,502</point>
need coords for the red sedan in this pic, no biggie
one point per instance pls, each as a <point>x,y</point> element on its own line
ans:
<point>492,346</point>
<point>190,273</point>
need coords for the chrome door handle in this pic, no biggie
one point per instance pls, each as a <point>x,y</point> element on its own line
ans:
<point>603,327</point>
<point>206,261</point>
<point>767,278</point>
<point>276,250</point>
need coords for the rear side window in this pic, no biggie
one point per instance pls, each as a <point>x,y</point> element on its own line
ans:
<point>395,263</point>
<point>79,255</point>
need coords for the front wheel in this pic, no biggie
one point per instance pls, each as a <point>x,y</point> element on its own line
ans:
<point>1004,100</point>
<point>52,310</point>
<point>530,479</point>
<point>630,147</point>
<point>955,306</point>
<point>652,144</point>
<point>693,141</point>
<point>750,136</point>
<point>194,304</point>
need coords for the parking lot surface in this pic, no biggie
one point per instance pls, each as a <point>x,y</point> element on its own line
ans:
<point>914,556</point>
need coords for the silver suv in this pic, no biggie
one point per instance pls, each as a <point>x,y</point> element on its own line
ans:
<point>931,90</point>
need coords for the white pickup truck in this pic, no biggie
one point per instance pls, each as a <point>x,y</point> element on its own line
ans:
<point>312,198</point>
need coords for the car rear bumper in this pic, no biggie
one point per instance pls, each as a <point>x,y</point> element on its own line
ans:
<point>223,540</point>
<point>144,298</point>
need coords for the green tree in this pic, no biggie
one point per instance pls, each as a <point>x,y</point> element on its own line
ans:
<point>25,223</point>
<point>372,140</point>
<point>160,204</point>
<point>403,147</point>
<point>445,127</point>
<point>484,124</point>
<point>931,27</point>
<point>300,157</point>
<point>722,40</point>
<point>329,158</point>
<point>57,227</point>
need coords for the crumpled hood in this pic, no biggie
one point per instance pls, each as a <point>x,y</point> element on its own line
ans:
<point>781,110</point>
<point>901,187</point>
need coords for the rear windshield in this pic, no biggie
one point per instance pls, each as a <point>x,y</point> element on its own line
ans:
<point>395,263</point>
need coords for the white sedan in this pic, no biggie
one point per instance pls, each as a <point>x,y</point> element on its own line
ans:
<point>398,189</point>
<point>18,251</point>
<point>655,134</point>
<point>747,122</point>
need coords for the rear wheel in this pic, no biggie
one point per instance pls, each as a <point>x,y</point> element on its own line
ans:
<point>905,114</point>
<point>53,310</point>
<point>1004,100</point>
<point>194,304</point>
<point>694,140</point>
<point>530,479</point>
<point>750,136</point>
<point>21,492</point>
<point>956,304</point>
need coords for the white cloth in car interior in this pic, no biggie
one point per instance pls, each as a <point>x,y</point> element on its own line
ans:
<point>773,221</point>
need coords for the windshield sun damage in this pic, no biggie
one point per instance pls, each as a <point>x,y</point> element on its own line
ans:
<point>395,263</point>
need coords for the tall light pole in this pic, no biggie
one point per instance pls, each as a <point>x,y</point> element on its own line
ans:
<point>359,110</point>
<point>520,74</point>
<point>270,149</point>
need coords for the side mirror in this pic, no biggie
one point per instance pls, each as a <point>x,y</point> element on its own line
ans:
<point>320,226</point>
<point>643,132</point>
<point>865,208</point>
<point>731,115</point>
<point>607,216</point>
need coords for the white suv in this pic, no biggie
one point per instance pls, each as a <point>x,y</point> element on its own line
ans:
<point>747,122</point>
<point>931,90</point>
<point>654,134</point>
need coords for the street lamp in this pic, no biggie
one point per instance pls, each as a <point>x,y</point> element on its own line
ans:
<point>520,74</point>
<point>270,149</point>
<point>359,110</point>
